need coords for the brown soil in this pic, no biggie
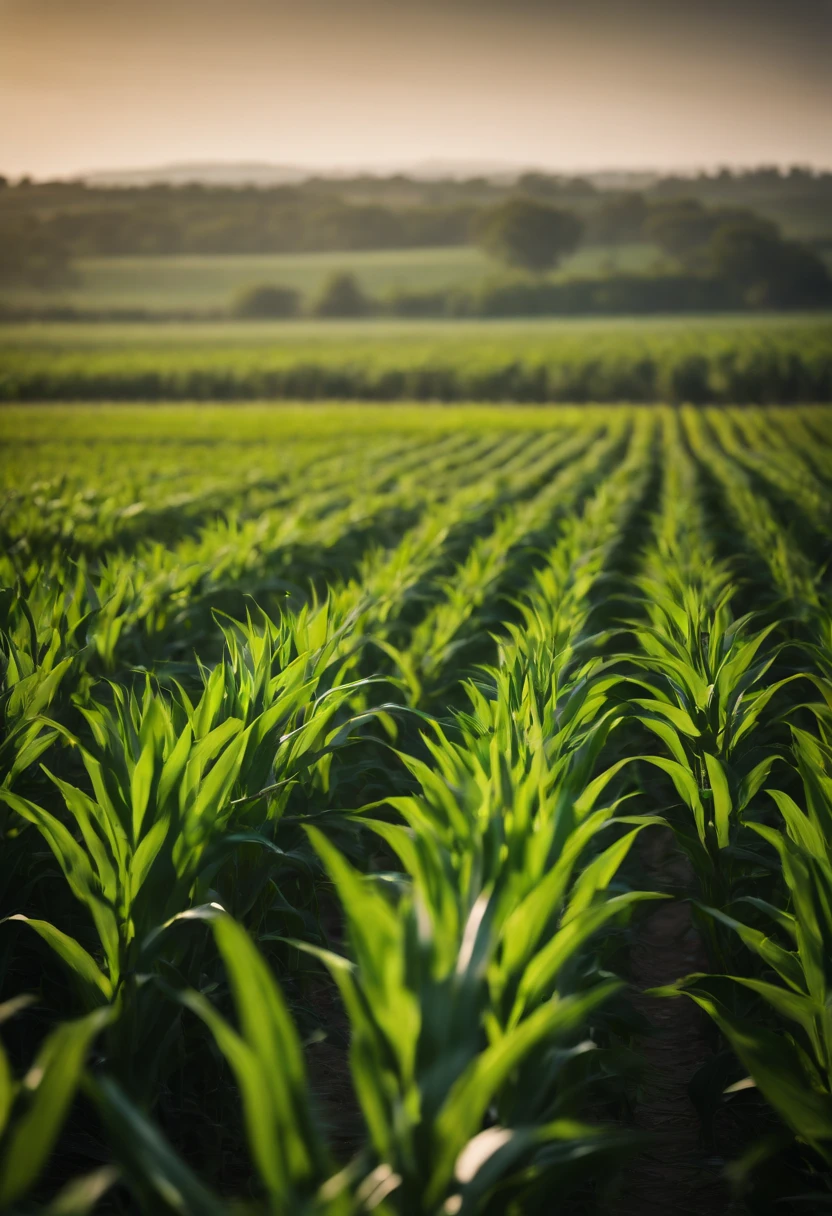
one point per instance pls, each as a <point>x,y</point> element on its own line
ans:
<point>675,1175</point>
<point>327,1054</point>
<point>330,1080</point>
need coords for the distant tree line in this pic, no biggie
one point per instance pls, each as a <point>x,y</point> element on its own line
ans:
<point>725,250</point>
<point>162,222</point>
<point>368,212</point>
<point>735,246</point>
<point>612,295</point>
<point>726,253</point>
<point>722,258</point>
<point>528,234</point>
<point>32,253</point>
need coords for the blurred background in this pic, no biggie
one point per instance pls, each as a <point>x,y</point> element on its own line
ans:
<point>201,160</point>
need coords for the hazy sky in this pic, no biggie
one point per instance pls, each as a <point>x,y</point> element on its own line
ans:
<point>565,84</point>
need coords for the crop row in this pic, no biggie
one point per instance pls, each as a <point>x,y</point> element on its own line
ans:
<point>394,719</point>
<point>640,363</point>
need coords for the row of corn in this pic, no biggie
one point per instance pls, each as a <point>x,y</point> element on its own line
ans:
<point>393,719</point>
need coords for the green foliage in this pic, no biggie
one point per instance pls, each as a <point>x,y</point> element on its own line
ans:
<point>789,1061</point>
<point>33,1110</point>
<point>618,219</point>
<point>683,227</point>
<point>350,737</point>
<point>266,301</point>
<point>772,272</point>
<point>742,250</point>
<point>341,296</point>
<point>728,361</point>
<point>528,234</point>
<point>32,253</point>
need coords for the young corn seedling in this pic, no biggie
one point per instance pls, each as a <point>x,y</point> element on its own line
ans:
<point>705,683</point>
<point>483,961</point>
<point>289,684</point>
<point>179,788</point>
<point>426,1071</point>
<point>788,1055</point>
<point>296,1173</point>
<point>161,795</point>
<point>795,578</point>
<point>42,634</point>
<point>461,615</point>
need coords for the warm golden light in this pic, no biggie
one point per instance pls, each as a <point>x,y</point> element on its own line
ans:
<point>88,85</point>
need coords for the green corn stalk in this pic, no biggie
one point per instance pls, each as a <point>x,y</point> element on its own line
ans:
<point>266,1057</point>
<point>42,634</point>
<point>171,781</point>
<point>425,1081</point>
<point>294,1168</point>
<point>705,678</point>
<point>489,924</point>
<point>794,578</point>
<point>788,1054</point>
<point>33,1110</point>
<point>161,792</point>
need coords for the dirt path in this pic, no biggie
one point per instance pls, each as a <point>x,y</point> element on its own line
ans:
<point>674,1177</point>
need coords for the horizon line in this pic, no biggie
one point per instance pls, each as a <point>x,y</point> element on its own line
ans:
<point>447,167</point>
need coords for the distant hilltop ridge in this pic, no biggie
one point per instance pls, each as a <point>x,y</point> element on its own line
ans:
<point>244,173</point>
<point>262,173</point>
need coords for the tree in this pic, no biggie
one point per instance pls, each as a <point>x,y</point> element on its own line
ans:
<point>538,185</point>
<point>769,271</point>
<point>684,228</point>
<point>341,297</point>
<point>528,234</point>
<point>266,300</point>
<point>619,220</point>
<point>680,228</point>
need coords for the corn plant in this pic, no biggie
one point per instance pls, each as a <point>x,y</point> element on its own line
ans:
<point>788,1054</point>
<point>704,673</point>
<point>34,1109</point>
<point>557,587</point>
<point>458,616</point>
<point>415,995</point>
<point>288,1153</point>
<point>489,927</point>
<point>793,575</point>
<point>42,633</point>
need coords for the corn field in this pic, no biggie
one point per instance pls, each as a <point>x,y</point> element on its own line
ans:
<point>774,359</point>
<point>335,767</point>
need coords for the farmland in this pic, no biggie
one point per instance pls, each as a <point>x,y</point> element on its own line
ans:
<point>402,807</point>
<point>732,359</point>
<point>206,283</point>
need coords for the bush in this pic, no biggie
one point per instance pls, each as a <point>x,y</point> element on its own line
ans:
<point>342,297</point>
<point>266,300</point>
<point>614,295</point>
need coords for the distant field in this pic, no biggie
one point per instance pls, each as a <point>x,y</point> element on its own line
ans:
<point>209,283</point>
<point>743,359</point>
<point>247,424</point>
